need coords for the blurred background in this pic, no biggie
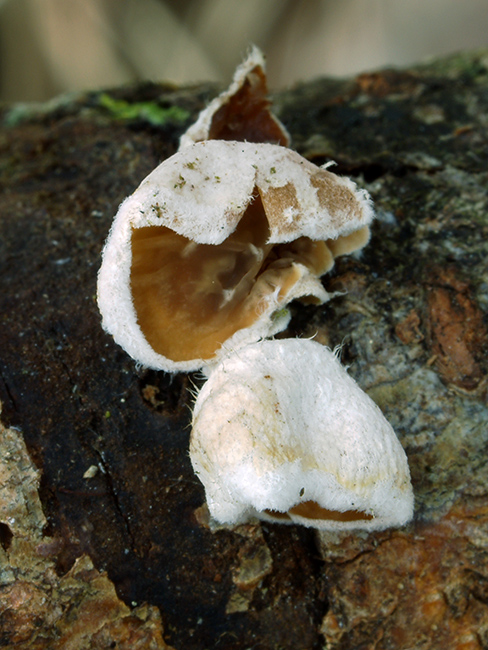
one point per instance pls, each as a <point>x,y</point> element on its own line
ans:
<point>52,46</point>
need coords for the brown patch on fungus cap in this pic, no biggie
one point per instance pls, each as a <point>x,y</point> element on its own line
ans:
<point>278,200</point>
<point>337,200</point>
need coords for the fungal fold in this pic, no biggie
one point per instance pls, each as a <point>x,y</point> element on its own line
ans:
<point>282,433</point>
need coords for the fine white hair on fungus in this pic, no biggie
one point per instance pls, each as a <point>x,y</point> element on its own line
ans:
<point>282,433</point>
<point>215,242</point>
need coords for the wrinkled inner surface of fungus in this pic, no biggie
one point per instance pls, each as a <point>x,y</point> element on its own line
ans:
<point>189,298</point>
<point>312,510</point>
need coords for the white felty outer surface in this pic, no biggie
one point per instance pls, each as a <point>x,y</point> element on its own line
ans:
<point>201,193</point>
<point>281,422</point>
<point>203,190</point>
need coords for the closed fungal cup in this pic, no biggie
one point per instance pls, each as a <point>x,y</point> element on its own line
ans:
<point>282,433</point>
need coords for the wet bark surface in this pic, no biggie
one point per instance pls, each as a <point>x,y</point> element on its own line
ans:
<point>111,440</point>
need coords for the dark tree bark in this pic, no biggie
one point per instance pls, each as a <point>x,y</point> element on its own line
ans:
<point>111,439</point>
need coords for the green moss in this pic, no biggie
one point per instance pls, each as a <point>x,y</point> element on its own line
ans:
<point>147,111</point>
<point>469,65</point>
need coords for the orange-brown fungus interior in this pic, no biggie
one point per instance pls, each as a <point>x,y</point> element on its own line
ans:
<point>349,243</point>
<point>246,115</point>
<point>312,510</point>
<point>189,298</point>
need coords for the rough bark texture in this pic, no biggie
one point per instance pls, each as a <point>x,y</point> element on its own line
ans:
<point>110,440</point>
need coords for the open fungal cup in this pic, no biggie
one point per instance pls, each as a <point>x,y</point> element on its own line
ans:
<point>215,242</point>
<point>282,433</point>
<point>218,239</point>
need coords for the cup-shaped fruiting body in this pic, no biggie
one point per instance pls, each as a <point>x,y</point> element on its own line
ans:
<point>215,242</point>
<point>222,236</point>
<point>281,432</point>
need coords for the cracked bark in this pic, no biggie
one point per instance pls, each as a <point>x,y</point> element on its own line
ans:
<point>412,323</point>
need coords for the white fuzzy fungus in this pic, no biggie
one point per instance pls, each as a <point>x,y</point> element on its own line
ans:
<point>215,242</point>
<point>281,432</point>
<point>219,238</point>
<point>200,264</point>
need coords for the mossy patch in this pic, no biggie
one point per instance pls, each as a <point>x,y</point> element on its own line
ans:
<point>146,111</point>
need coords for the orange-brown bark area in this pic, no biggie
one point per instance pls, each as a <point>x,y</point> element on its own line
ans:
<point>427,587</point>
<point>40,608</point>
<point>79,610</point>
<point>458,336</point>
